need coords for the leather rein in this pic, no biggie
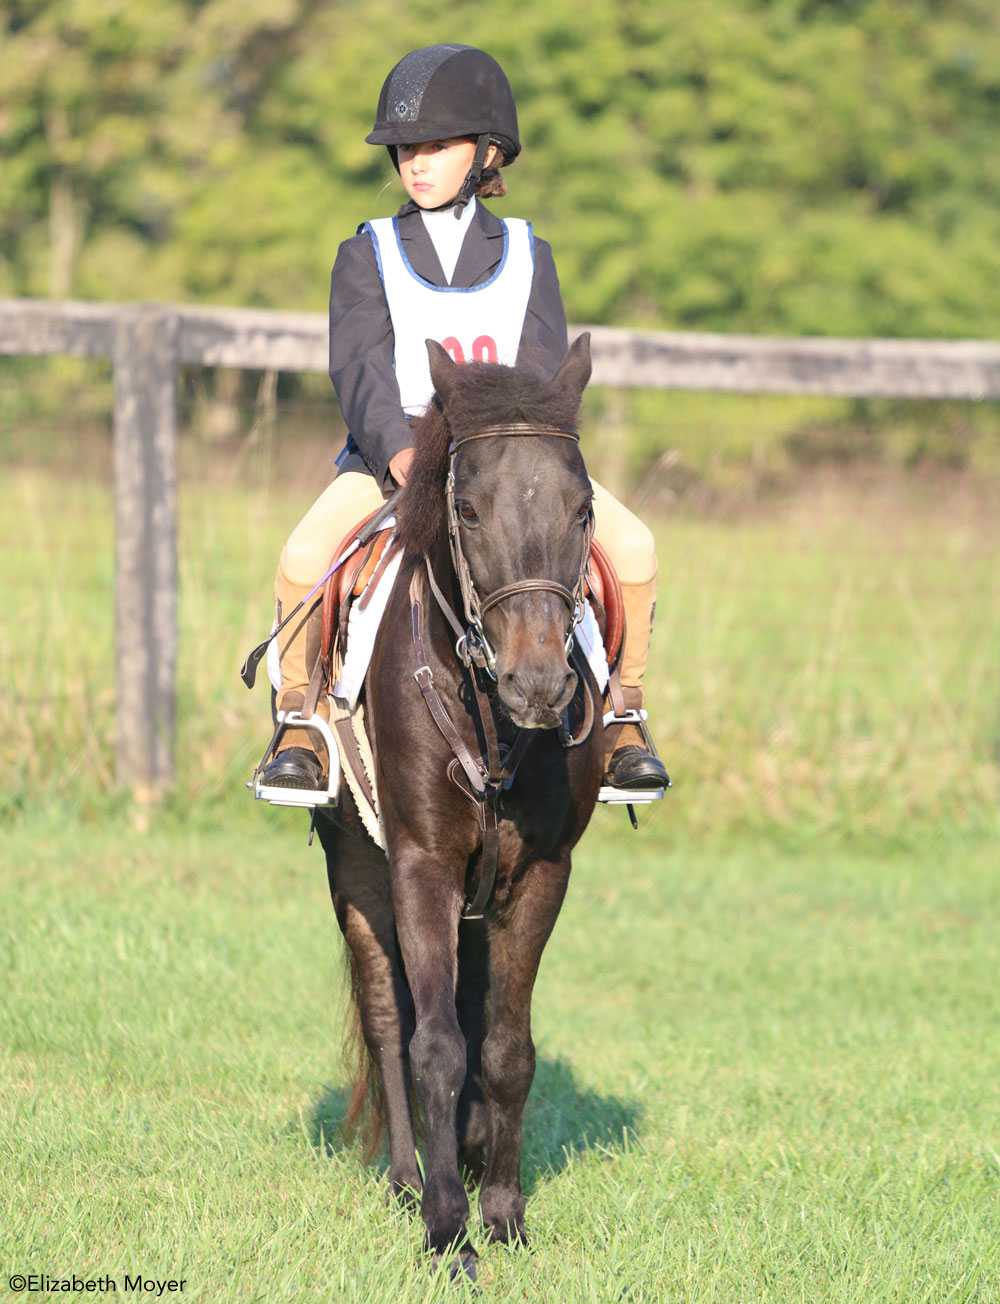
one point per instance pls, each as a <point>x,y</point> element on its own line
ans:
<point>483,779</point>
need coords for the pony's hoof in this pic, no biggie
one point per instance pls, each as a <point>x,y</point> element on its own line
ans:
<point>460,1267</point>
<point>512,1234</point>
<point>404,1194</point>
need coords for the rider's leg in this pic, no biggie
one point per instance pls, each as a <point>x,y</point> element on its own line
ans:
<point>631,547</point>
<point>304,559</point>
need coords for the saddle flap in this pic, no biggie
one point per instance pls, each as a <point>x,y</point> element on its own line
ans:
<point>351,579</point>
<point>605,593</point>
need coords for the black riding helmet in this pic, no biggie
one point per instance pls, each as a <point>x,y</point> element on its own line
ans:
<point>441,91</point>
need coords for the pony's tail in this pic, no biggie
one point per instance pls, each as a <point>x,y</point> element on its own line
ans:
<point>366,1110</point>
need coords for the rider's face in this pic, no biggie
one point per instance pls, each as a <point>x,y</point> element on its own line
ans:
<point>433,171</point>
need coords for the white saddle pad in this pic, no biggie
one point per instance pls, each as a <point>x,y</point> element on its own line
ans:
<point>362,626</point>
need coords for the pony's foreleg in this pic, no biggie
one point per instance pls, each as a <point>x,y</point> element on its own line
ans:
<point>427,909</point>
<point>470,1001</point>
<point>516,944</point>
<point>359,886</point>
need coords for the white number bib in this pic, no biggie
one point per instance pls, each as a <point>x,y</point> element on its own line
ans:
<point>479,323</point>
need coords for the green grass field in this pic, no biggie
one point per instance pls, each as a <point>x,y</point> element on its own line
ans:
<point>763,1075</point>
<point>767,1024</point>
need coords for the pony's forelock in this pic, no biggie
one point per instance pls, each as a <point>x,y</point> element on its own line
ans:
<point>483,394</point>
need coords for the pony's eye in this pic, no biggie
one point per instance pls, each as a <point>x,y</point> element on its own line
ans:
<point>466,512</point>
<point>584,513</point>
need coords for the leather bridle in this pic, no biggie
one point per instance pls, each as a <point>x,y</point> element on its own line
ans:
<point>474,645</point>
<point>485,778</point>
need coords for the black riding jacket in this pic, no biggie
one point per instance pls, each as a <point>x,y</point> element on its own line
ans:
<point>361,333</point>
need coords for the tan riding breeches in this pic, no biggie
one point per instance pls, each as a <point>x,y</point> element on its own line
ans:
<point>353,495</point>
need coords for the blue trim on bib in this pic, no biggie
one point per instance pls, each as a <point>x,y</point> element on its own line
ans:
<point>378,252</point>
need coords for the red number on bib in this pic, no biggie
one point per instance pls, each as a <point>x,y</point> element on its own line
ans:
<point>454,348</point>
<point>484,349</point>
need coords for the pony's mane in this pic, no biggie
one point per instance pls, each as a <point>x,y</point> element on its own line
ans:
<point>483,394</point>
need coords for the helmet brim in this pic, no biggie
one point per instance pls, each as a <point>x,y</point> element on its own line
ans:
<point>419,135</point>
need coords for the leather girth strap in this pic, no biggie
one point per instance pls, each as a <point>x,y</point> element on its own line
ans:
<point>486,777</point>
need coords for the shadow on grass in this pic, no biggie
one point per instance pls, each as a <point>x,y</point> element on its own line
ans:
<point>561,1119</point>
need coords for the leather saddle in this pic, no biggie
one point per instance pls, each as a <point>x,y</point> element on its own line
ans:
<point>604,591</point>
<point>349,583</point>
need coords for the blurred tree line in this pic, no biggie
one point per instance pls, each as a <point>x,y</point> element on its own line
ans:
<point>780,166</point>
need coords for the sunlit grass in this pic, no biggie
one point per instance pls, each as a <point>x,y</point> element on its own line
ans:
<point>766,1023</point>
<point>761,1075</point>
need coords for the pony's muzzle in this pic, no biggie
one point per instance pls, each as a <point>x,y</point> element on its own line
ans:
<point>536,696</point>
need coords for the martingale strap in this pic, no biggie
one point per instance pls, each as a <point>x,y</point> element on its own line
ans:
<point>425,682</point>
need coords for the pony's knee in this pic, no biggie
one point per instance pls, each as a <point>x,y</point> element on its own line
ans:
<point>437,1055</point>
<point>508,1068</point>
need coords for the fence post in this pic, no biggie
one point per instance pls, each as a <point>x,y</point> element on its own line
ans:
<point>145,361</point>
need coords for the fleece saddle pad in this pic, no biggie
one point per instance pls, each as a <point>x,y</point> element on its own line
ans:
<point>365,616</point>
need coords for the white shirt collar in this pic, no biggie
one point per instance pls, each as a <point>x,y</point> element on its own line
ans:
<point>447,234</point>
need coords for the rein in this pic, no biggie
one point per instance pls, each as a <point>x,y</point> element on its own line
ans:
<point>488,776</point>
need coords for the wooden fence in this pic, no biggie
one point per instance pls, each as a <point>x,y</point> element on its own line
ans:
<point>147,343</point>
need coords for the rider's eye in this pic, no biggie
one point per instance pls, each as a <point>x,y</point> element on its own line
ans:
<point>467,512</point>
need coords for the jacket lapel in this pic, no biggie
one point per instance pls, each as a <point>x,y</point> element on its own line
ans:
<point>418,246</point>
<point>480,256</point>
<point>482,251</point>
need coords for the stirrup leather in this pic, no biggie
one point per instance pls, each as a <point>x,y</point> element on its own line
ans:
<point>298,796</point>
<point>631,796</point>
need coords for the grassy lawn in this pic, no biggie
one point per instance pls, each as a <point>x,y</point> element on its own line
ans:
<point>763,1075</point>
<point>767,1025</point>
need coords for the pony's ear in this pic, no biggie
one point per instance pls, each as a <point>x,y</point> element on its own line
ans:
<point>574,373</point>
<point>443,368</point>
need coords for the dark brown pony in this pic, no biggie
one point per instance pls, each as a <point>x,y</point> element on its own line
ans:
<point>445,1001</point>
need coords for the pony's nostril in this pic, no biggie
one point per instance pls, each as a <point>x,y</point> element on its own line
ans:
<point>510,690</point>
<point>562,691</point>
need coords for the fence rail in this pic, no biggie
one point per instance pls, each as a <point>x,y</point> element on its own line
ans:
<point>256,338</point>
<point>147,343</point>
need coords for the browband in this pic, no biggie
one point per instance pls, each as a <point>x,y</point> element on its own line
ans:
<point>522,428</point>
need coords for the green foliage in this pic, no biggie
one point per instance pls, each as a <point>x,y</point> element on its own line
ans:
<point>788,167</point>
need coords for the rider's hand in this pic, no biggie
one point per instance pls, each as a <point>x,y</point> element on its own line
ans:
<point>399,466</point>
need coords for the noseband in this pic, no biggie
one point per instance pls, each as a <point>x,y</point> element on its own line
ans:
<point>474,645</point>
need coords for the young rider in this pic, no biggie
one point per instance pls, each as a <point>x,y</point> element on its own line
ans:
<point>446,268</point>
